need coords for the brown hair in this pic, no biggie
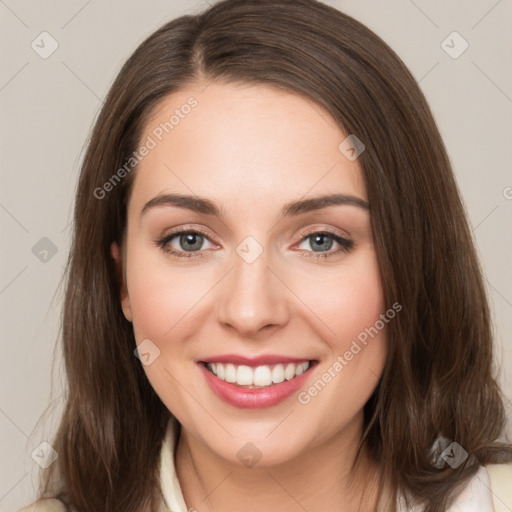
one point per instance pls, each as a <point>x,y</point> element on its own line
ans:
<point>438,378</point>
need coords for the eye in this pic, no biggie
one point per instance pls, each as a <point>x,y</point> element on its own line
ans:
<point>184,243</point>
<point>321,243</point>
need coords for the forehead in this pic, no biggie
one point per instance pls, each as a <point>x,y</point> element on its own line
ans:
<point>244,145</point>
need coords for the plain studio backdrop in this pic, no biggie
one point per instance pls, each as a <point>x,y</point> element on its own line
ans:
<point>58,61</point>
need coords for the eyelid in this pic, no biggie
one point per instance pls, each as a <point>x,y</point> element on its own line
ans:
<point>304,234</point>
<point>345,244</point>
<point>188,229</point>
<point>322,229</point>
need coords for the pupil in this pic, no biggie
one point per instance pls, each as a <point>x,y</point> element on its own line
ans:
<point>190,237</point>
<point>327,246</point>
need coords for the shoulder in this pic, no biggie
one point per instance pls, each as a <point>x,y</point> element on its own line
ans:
<point>500,478</point>
<point>45,505</point>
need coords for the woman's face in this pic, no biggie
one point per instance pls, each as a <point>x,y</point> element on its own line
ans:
<point>271,277</point>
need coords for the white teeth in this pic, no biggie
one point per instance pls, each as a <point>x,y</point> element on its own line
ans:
<point>244,376</point>
<point>289,373</point>
<point>261,376</point>
<point>278,374</point>
<point>301,368</point>
<point>229,372</point>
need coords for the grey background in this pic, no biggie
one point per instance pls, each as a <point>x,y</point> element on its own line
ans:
<point>48,107</point>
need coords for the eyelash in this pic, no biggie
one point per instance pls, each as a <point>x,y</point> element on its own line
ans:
<point>345,245</point>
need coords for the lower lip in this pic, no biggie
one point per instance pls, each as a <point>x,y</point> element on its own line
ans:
<point>246,398</point>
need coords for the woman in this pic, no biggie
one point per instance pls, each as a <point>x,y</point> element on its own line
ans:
<point>326,338</point>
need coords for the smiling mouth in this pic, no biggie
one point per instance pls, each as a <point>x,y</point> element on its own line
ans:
<point>258,377</point>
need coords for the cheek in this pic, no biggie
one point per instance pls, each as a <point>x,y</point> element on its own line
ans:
<point>346,301</point>
<point>342,302</point>
<point>359,306</point>
<point>162,300</point>
<point>349,307</point>
<point>161,294</point>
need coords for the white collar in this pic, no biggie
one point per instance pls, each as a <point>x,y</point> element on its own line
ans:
<point>476,497</point>
<point>170,486</point>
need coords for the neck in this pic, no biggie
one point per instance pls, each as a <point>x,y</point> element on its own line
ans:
<point>320,478</point>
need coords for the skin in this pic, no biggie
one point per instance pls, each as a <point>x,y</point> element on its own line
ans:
<point>253,148</point>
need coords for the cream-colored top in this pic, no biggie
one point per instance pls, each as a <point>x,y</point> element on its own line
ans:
<point>490,490</point>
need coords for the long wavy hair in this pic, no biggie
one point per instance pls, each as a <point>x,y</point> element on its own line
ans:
<point>439,378</point>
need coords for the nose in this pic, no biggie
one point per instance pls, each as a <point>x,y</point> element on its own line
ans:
<point>254,298</point>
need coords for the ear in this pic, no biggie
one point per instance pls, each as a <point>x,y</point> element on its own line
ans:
<point>115,251</point>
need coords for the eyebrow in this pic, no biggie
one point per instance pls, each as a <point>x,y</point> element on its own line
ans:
<point>293,208</point>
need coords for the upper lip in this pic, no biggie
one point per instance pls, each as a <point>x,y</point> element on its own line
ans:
<point>254,361</point>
